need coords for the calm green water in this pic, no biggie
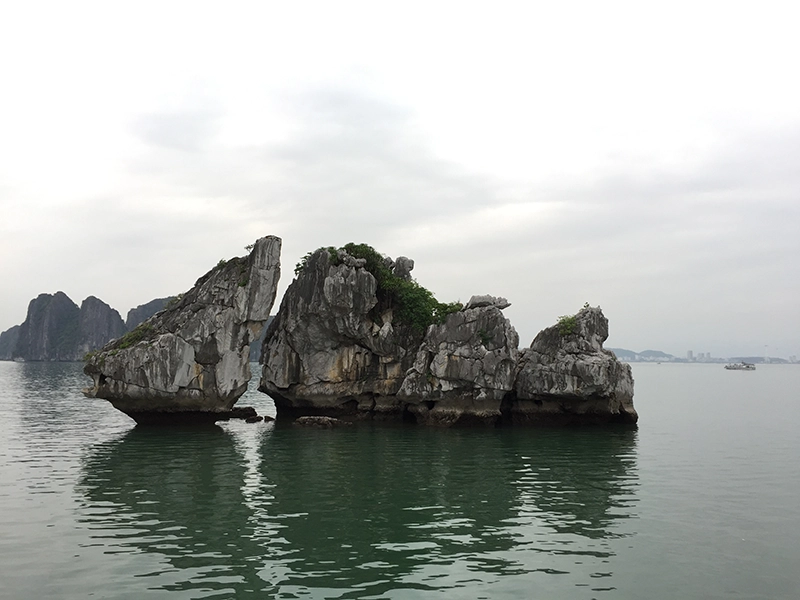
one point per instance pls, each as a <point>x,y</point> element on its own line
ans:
<point>702,501</point>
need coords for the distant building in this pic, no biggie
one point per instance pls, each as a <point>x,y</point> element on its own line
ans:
<point>690,355</point>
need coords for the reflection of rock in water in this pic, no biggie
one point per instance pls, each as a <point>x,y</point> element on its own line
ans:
<point>362,510</point>
<point>370,507</point>
<point>371,503</point>
<point>175,492</point>
<point>577,481</point>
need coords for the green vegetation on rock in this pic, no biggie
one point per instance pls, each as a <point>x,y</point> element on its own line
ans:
<point>244,276</point>
<point>567,325</point>
<point>413,304</point>
<point>144,331</point>
<point>173,301</point>
<point>301,265</point>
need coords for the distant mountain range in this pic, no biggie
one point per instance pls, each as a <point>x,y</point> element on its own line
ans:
<point>56,329</point>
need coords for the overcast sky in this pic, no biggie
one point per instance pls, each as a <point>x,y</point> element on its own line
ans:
<point>644,159</point>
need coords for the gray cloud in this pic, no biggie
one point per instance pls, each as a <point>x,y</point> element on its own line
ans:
<point>700,257</point>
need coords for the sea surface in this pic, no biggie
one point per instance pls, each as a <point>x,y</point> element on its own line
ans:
<point>701,501</point>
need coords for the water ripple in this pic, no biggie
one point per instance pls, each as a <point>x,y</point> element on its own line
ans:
<point>262,510</point>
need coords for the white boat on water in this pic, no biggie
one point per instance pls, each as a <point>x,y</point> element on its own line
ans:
<point>741,366</point>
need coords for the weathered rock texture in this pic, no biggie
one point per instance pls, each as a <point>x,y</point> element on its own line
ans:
<point>8,342</point>
<point>141,313</point>
<point>55,329</point>
<point>569,377</point>
<point>50,330</point>
<point>191,361</point>
<point>255,345</point>
<point>464,367</point>
<point>335,349</point>
<point>98,323</point>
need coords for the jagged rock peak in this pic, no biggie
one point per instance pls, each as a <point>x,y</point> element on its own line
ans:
<point>487,300</point>
<point>51,330</point>
<point>401,267</point>
<point>567,376</point>
<point>337,337</point>
<point>464,367</point>
<point>192,358</point>
<point>55,329</point>
<point>98,323</point>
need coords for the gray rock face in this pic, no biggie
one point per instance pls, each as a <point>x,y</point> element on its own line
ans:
<point>8,342</point>
<point>55,329</point>
<point>335,350</point>
<point>51,330</point>
<point>331,350</point>
<point>567,376</point>
<point>98,323</point>
<point>486,300</point>
<point>192,359</point>
<point>464,367</point>
<point>141,313</point>
<point>402,267</point>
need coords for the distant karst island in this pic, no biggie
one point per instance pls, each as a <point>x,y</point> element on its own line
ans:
<point>56,329</point>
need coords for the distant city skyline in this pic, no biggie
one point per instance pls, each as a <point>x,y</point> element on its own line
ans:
<point>652,355</point>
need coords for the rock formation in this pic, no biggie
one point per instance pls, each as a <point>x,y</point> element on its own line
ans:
<point>55,329</point>
<point>255,345</point>
<point>464,367</point>
<point>338,347</point>
<point>98,323</point>
<point>8,342</point>
<point>50,330</point>
<point>191,361</point>
<point>334,348</point>
<point>567,377</point>
<point>141,313</point>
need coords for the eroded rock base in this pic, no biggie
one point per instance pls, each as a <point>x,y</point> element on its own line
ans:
<point>510,412</point>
